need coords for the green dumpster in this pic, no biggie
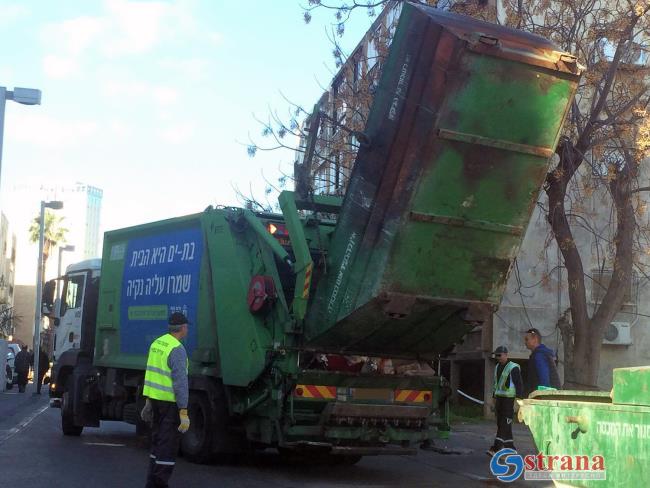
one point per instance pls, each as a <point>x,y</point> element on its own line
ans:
<point>462,126</point>
<point>614,425</point>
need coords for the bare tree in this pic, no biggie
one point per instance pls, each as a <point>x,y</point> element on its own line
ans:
<point>599,157</point>
<point>8,320</point>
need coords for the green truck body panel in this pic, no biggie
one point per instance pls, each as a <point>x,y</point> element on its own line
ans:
<point>224,336</point>
<point>461,132</point>
<point>586,423</point>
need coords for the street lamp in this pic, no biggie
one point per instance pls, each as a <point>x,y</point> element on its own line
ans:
<point>26,96</point>
<point>54,205</point>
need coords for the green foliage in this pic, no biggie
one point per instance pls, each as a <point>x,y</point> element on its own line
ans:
<point>55,233</point>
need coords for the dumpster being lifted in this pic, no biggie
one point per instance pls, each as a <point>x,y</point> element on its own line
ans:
<point>440,198</point>
<point>582,425</point>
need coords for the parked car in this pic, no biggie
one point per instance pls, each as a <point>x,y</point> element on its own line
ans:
<point>12,377</point>
<point>11,358</point>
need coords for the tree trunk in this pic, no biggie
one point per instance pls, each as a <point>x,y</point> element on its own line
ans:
<point>582,337</point>
<point>620,189</point>
<point>556,187</point>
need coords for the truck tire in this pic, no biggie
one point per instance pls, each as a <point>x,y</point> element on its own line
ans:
<point>196,443</point>
<point>67,421</point>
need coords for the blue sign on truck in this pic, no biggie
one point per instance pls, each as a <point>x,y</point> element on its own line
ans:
<point>161,276</point>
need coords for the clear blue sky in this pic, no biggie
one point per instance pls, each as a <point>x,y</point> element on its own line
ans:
<point>150,101</point>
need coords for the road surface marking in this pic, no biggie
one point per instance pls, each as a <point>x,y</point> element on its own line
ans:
<point>24,423</point>
<point>108,444</point>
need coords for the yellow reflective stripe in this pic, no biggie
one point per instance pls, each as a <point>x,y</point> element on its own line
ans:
<point>160,379</point>
<point>499,383</point>
<point>411,396</point>
<point>401,396</point>
<point>324,391</point>
<point>156,370</point>
<point>158,386</point>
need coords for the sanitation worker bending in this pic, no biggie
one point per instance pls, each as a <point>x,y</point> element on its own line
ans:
<point>166,390</point>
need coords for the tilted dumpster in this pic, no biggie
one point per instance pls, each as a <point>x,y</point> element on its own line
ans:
<point>614,425</point>
<point>464,122</point>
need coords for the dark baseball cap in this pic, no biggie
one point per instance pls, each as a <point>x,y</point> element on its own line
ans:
<point>534,331</point>
<point>501,350</point>
<point>177,319</point>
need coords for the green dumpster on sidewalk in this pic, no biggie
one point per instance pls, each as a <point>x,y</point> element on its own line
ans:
<point>614,425</point>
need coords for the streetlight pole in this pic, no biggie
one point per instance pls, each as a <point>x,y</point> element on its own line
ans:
<point>26,96</point>
<point>54,205</point>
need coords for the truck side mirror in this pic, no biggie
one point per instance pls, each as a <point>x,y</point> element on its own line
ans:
<point>47,298</point>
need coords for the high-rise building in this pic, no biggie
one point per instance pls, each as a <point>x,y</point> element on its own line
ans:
<point>81,211</point>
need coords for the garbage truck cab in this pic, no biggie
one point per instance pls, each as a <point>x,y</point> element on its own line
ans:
<point>70,310</point>
<point>70,302</point>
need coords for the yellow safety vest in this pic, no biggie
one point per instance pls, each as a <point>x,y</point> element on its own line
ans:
<point>158,377</point>
<point>500,383</point>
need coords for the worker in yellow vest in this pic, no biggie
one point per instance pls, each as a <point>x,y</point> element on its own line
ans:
<point>507,386</point>
<point>166,390</point>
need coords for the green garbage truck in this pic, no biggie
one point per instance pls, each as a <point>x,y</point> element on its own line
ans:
<point>282,306</point>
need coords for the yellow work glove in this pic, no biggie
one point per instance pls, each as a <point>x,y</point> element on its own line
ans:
<point>185,421</point>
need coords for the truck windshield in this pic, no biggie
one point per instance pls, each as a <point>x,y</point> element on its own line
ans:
<point>72,293</point>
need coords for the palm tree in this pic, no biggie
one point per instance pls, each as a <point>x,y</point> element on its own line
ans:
<point>55,234</point>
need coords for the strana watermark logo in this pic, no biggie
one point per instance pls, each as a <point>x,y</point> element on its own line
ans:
<point>509,466</point>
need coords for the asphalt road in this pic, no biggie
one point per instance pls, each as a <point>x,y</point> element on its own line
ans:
<point>34,453</point>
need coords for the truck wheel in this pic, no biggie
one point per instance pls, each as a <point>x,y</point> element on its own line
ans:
<point>196,443</point>
<point>67,421</point>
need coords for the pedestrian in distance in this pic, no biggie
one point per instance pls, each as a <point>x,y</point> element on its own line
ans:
<point>167,392</point>
<point>542,371</point>
<point>21,366</point>
<point>507,386</point>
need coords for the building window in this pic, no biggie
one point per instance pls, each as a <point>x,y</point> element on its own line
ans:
<point>72,293</point>
<point>372,54</point>
<point>357,67</point>
<point>600,284</point>
<point>336,89</point>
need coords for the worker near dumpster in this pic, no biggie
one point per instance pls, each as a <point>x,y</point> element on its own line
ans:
<point>166,389</point>
<point>542,372</point>
<point>507,386</point>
